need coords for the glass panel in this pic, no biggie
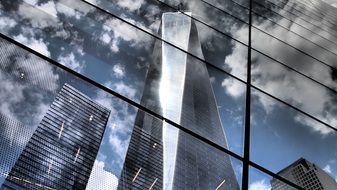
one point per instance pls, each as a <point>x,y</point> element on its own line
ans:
<point>154,74</point>
<point>213,17</point>
<point>296,19</point>
<point>292,58</point>
<point>230,7</point>
<point>217,49</point>
<point>51,123</point>
<point>262,181</point>
<point>295,89</point>
<point>307,12</point>
<point>230,98</point>
<point>292,144</point>
<point>106,43</point>
<point>79,134</point>
<point>314,35</point>
<point>312,48</point>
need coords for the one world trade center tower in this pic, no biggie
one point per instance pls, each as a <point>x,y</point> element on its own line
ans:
<point>178,87</point>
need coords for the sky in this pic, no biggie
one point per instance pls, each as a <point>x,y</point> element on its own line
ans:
<point>118,55</point>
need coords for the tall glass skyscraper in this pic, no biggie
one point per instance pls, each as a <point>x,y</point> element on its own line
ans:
<point>62,150</point>
<point>159,155</point>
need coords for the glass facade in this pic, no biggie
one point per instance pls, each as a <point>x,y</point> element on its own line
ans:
<point>168,94</point>
<point>62,150</point>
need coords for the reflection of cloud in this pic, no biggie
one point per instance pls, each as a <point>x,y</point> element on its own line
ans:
<point>118,145</point>
<point>37,45</point>
<point>289,86</point>
<point>71,62</point>
<point>73,8</point>
<point>327,169</point>
<point>118,71</point>
<point>38,16</point>
<point>286,85</point>
<point>118,130</point>
<point>233,87</point>
<point>237,61</point>
<point>123,31</point>
<point>259,185</point>
<point>101,179</point>
<point>20,100</point>
<point>131,5</point>
<point>124,89</point>
<point>313,124</point>
<point>6,23</point>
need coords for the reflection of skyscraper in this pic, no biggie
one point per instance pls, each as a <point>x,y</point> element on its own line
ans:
<point>178,87</point>
<point>62,150</point>
<point>306,175</point>
<point>11,146</point>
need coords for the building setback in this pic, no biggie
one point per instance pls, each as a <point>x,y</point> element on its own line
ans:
<point>178,87</point>
<point>62,150</point>
<point>305,174</point>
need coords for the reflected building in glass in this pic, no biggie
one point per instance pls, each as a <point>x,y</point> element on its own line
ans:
<point>61,152</point>
<point>11,146</point>
<point>178,87</point>
<point>305,174</point>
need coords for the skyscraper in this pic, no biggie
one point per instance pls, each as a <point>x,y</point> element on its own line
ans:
<point>160,156</point>
<point>62,150</point>
<point>305,174</point>
<point>11,146</point>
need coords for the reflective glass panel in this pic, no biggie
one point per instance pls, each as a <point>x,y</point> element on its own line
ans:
<point>262,181</point>
<point>140,67</point>
<point>59,132</point>
<point>295,89</point>
<point>292,144</point>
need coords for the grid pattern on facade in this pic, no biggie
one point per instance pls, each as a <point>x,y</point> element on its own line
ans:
<point>62,150</point>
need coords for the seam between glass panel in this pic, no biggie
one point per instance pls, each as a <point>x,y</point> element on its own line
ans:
<point>246,152</point>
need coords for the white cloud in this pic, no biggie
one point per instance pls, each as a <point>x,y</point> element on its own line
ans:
<point>327,169</point>
<point>118,145</point>
<point>131,5</point>
<point>124,89</point>
<point>61,8</point>
<point>233,87</point>
<point>106,38</point>
<point>315,125</point>
<point>126,32</point>
<point>6,23</point>
<point>286,85</point>
<point>259,185</point>
<point>289,86</point>
<point>101,179</point>
<point>237,61</point>
<point>119,126</point>
<point>41,16</point>
<point>37,45</point>
<point>48,7</point>
<point>81,8</point>
<point>71,62</point>
<point>118,71</point>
